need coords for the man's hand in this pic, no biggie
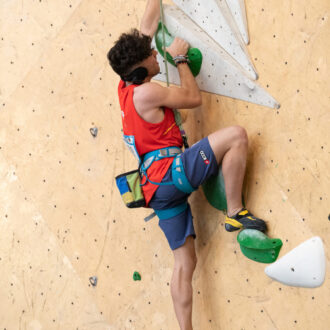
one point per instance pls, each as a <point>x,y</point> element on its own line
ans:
<point>178,47</point>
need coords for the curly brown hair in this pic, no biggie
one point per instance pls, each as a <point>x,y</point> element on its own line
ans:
<point>129,50</point>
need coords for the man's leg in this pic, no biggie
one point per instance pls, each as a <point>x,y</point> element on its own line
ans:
<point>181,288</point>
<point>230,147</point>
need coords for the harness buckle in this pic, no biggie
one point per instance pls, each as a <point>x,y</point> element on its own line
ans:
<point>163,152</point>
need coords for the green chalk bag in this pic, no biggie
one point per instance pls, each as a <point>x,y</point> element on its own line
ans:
<point>129,185</point>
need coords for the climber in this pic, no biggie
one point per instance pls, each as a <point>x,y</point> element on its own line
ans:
<point>150,127</point>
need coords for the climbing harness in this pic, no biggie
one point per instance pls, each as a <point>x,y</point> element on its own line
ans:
<point>155,155</point>
<point>179,178</point>
<point>130,183</point>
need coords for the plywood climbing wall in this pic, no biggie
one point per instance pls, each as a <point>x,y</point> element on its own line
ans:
<point>62,220</point>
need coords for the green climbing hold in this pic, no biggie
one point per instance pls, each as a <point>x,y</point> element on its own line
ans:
<point>257,246</point>
<point>194,54</point>
<point>214,190</point>
<point>136,276</point>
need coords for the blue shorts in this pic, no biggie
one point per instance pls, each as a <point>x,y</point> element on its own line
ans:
<point>199,163</point>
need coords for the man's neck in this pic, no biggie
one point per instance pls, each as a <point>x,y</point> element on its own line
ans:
<point>127,83</point>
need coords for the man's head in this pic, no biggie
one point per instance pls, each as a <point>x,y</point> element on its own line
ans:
<point>131,53</point>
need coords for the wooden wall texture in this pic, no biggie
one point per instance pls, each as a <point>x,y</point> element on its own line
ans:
<point>62,219</point>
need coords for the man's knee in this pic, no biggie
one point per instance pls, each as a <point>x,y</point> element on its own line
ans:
<point>185,256</point>
<point>239,135</point>
<point>185,267</point>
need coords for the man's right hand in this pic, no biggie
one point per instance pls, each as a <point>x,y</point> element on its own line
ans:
<point>178,47</point>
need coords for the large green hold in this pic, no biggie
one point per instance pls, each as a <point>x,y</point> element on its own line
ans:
<point>194,54</point>
<point>214,190</point>
<point>257,246</point>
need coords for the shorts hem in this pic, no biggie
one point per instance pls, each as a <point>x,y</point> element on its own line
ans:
<point>180,243</point>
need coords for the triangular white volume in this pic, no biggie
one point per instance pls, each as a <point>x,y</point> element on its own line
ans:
<point>213,17</point>
<point>220,74</point>
<point>304,266</point>
<point>237,8</point>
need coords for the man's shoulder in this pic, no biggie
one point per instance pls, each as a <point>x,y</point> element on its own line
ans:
<point>148,100</point>
<point>147,90</point>
<point>149,86</point>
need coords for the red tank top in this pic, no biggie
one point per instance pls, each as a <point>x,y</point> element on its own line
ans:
<point>148,136</point>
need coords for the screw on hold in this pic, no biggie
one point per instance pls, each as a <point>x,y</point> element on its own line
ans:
<point>136,276</point>
<point>93,131</point>
<point>93,280</point>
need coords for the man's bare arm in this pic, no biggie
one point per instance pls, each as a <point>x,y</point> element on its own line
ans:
<point>150,19</point>
<point>152,95</point>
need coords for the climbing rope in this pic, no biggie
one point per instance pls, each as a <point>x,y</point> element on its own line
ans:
<point>163,35</point>
<point>177,114</point>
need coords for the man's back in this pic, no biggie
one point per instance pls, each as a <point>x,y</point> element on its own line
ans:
<point>142,136</point>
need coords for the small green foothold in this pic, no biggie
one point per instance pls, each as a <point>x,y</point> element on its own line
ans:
<point>257,246</point>
<point>136,276</point>
<point>194,54</point>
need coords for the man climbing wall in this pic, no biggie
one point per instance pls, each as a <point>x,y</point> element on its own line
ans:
<point>169,175</point>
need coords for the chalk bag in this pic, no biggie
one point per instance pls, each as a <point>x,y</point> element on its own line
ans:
<point>129,185</point>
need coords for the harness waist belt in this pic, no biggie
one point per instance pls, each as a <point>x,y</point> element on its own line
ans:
<point>152,156</point>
